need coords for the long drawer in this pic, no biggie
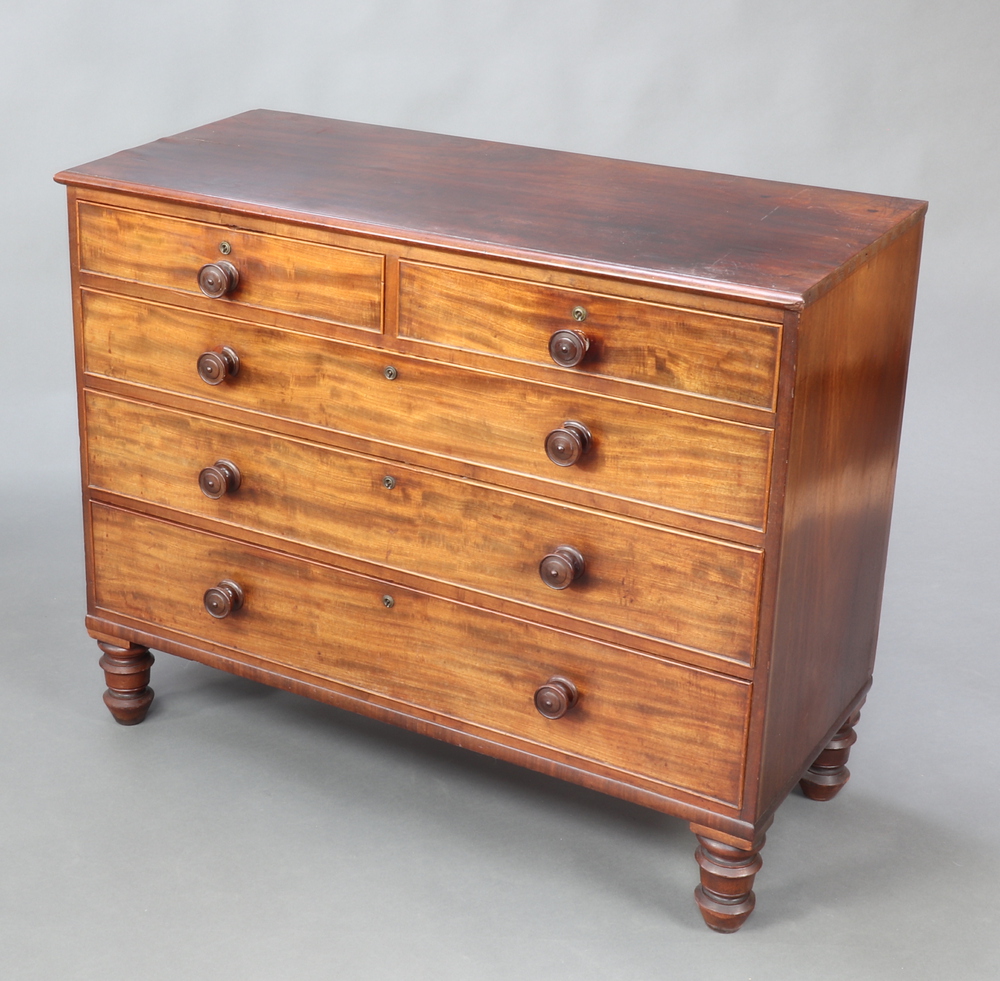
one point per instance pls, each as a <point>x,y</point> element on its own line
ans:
<point>722,357</point>
<point>309,279</point>
<point>684,589</point>
<point>669,459</point>
<point>668,723</point>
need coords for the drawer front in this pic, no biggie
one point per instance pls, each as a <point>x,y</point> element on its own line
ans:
<point>671,724</point>
<point>275,273</point>
<point>684,589</point>
<point>687,350</point>
<point>662,457</point>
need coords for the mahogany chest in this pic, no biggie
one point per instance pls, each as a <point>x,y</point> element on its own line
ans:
<point>580,463</point>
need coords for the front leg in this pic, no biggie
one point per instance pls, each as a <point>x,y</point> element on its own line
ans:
<point>725,896</point>
<point>126,672</point>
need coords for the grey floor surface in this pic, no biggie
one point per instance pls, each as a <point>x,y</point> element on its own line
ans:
<point>249,834</point>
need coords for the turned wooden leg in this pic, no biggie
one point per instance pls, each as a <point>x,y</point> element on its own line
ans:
<point>829,771</point>
<point>126,672</point>
<point>725,896</point>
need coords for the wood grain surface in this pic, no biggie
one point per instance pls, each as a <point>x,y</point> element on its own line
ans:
<point>686,590</point>
<point>686,227</point>
<point>672,460</point>
<point>305,278</point>
<point>722,537</point>
<point>845,427</point>
<point>673,724</point>
<point>668,347</point>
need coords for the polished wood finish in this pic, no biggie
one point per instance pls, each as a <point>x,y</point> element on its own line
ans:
<point>562,567</point>
<point>828,773</point>
<point>725,895</point>
<point>223,477</point>
<point>719,357</point>
<point>760,239</point>
<point>275,273</point>
<point>686,590</point>
<point>220,364</point>
<point>714,468</point>
<point>217,279</point>
<point>567,445</point>
<point>844,428</point>
<point>568,348</point>
<point>225,598</point>
<point>556,697</point>
<point>638,714</point>
<point>126,673</point>
<point>431,388</point>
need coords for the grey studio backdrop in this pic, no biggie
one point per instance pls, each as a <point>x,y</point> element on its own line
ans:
<point>245,833</point>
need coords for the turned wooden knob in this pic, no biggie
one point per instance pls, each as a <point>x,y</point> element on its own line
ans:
<point>218,278</point>
<point>223,599</point>
<point>221,478</point>
<point>561,567</point>
<point>215,366</point>
<point>556,697</point>
<point>568,347</point>
<point>565,446</point>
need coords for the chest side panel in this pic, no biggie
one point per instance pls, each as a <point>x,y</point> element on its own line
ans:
<point>853,348</point>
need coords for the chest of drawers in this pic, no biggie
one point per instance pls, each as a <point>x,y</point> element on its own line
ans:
<point>583,464</point>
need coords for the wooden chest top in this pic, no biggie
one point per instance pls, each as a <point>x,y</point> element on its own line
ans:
<point>786,243</point>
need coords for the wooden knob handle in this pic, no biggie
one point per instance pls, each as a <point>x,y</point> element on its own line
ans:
<point>215,366</point>
<point>556,697</point>
<point>565,446</point>
<point>223,599</point>
<point>568,347</point>
<point>218,278</point>
<point>561,567</point>
<point>221,478</point>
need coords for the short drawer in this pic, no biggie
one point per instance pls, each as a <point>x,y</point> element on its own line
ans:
<point>664,458</point>
<point>668,723</point>
<point>691,351</point>
<point>276,273</point>
<point>683,589</point>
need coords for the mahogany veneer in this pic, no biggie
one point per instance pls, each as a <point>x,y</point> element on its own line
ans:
<point>580,463</point>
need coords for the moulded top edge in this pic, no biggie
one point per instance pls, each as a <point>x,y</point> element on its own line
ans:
<point>771,241</point>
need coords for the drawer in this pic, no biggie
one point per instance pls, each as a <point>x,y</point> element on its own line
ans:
<point>684,589</point>
<point>275,273</point>
<point>665,458</point>
<point>687,350</point>
<point>671,724</point>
